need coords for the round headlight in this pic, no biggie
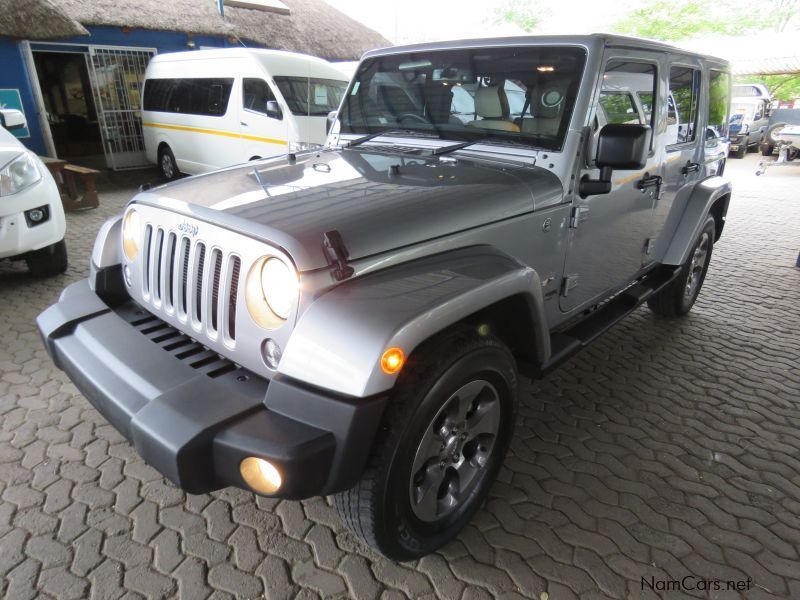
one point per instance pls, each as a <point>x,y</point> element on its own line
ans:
<point>131,232</point>
<point>271,291</point>
<point>279,285</point>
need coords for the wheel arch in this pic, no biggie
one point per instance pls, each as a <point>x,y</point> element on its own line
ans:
<point>709,197</point>
<point>338,341</point>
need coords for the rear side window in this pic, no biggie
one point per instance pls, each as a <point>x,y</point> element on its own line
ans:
<point>255,95</point>
<point>718,104</point>
<point>684,94</point>
<point>197,96</point>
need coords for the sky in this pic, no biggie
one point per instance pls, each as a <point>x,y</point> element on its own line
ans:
<point>409,21</point>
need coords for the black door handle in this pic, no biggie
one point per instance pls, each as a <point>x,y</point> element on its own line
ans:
<point>690,167</point>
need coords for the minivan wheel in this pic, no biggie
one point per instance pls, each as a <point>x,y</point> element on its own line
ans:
<point>167,165</point>
<point>444,436</point>
<point>677,298</point>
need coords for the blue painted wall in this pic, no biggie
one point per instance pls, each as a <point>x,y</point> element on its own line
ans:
<point>14,74</point>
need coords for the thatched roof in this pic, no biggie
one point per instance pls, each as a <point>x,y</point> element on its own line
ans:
<point>36,20</point>
<point>313,26</point>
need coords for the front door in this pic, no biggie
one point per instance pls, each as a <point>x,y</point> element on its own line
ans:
<point>610,232</point>
<point>264,124</point>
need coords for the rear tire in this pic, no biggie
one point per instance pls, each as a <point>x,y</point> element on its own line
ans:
<point>677,298</point>
<point>48,261</point>
<point>740,152</point>
<point>767,149</point>
<point>167,165</point>
<point>770,135</point>
<point>435,456</point>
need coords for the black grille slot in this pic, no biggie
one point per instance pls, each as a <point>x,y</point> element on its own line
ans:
<point>184,273</point>
<point>236,266</point>
<point>198,284</point>
<point>159,263</point>
<point>172,242</point>
<point>217,257</point>
<point>148,236</point>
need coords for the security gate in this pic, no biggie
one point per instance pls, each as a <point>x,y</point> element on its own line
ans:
<point>117,76</point>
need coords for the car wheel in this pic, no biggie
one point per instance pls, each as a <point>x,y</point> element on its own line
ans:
<point>677,298</point>
<point>48,261</point>
<point>767,149</point>
<point>742,150</point>
<point>444,437</point>
<point>167,165</point>
<point>772,132</point>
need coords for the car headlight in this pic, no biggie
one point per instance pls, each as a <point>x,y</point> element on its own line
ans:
<point>271,291</point>
<point>20,173</point>
<point>131,234</point>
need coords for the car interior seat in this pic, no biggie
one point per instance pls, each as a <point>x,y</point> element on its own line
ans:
<point>491,105</point>
<point>546,108</point>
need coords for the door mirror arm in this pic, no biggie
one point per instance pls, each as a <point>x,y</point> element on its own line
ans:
<point>595,187</point>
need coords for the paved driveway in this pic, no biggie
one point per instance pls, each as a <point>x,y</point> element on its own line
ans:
<point>667,450</point>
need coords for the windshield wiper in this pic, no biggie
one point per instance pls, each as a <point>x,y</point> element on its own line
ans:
<point>489,139</point>
<point>372,136</point>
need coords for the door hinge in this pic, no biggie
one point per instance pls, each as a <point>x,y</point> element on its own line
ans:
<point>568,283</point>
<point>578,214</point>
<point>649,245</point>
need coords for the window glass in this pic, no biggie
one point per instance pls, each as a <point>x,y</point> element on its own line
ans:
<point>311,96</point>
<point>718,103</point>
<point>255,95</point>
<point>200,96</point>
<point>620,108</point>
<point>684,89</point>
<point>522,95</point>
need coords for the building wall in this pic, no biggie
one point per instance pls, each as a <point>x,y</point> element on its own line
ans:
<point>14,74</point>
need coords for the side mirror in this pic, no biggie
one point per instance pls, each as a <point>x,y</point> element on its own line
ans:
<point>330,120</point>
<point>11,119</point>
<point>274,109</point>
<point>618,147</point>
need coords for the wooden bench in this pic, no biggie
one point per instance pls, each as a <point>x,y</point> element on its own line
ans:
<point>75,199</point>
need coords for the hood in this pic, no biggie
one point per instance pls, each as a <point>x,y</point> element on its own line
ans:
<point>10,147</point>
<point>377,201</point>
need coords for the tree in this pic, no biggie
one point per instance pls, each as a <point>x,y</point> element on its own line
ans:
<point>783,12</point>
<point>525,14</point>
<point>672,20</point>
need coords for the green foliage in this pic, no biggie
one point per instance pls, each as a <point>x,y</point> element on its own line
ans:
<point>781,87</point>
<point>672,20</point>
<point>526,14</point>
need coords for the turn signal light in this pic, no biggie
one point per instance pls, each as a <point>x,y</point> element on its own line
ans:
<point>261,475</point>
<point>392,361</point>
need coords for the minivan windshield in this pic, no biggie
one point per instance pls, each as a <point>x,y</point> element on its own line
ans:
<point>512,94</point>
<point>311,96</point>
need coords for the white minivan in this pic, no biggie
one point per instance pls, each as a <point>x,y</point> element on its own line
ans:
<point>207,109</point>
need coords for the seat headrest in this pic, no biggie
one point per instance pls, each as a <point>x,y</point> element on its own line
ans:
<point>491,102</point>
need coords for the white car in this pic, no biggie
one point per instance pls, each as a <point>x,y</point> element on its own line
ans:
<point>32,220</point>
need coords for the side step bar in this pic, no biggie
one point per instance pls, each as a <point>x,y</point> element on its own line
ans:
<point>577,336</point>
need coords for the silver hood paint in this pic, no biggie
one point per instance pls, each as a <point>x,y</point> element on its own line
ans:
<point>378,201</point>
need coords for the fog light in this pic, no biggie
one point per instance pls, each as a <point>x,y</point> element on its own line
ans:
<point>271,353</point>
<point>392,361</point>
<point>36,215</point>
<point>261,475</point>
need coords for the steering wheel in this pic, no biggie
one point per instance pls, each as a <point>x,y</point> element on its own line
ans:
<point>417,118</point>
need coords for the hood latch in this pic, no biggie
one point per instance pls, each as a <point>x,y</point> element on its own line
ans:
<point>336,254</point>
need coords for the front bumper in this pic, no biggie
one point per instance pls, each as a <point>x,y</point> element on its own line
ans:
<point>194,415</point>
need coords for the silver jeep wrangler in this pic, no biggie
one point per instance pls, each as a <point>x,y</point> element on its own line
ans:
<point>351,321</point>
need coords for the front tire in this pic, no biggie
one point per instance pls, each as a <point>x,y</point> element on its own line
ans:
<point>167,165</point>
<point>446,431</point>
<point>740,152</point>
<point>49,261</point>
<point>678,297</point>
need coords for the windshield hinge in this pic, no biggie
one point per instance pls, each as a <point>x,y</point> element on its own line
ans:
<point>336,254</point>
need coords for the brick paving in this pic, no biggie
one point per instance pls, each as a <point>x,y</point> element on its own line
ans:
<point>666,450</point>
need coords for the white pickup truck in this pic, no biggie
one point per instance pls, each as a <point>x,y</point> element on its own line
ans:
<point>32,220</point>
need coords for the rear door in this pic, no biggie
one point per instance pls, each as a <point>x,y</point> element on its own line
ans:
<point>609,232</point>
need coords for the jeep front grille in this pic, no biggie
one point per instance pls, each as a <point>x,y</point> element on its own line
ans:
<point>196,284</point>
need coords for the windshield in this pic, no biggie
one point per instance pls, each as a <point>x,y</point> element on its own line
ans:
<point>745,110</point>
<point>311,96</point>
<point>516,94</point>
